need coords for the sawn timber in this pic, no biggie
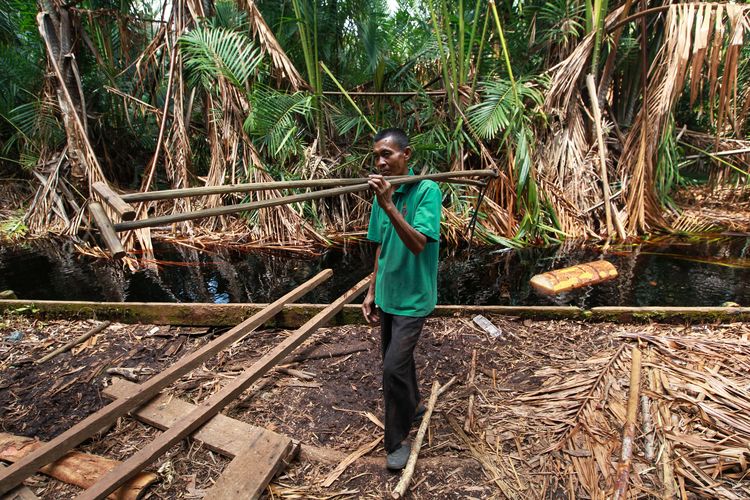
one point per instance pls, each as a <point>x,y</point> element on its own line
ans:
<point>295,315</point>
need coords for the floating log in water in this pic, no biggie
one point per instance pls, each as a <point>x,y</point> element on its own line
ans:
<point>570,278</point>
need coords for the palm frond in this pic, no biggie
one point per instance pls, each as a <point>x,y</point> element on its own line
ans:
<point>213,53</point>
<point>494,113</point>
<point>274,119</point>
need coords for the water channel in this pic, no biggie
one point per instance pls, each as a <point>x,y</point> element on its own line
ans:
<point>667,272</point>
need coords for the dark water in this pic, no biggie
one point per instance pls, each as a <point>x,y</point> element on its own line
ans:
<point>697,273</point>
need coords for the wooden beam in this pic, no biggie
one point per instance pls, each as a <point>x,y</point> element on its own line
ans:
<point>285,200</point>
<point>114,200</point>
<point>292,316</point>
<point>113,243</point>
<point>19,492</point>
<point>83,430</point>
<point>232,438</point>
<point>215,403</point>
<point>221,434</point>
<point>227,436</point>
<point>247,476</point>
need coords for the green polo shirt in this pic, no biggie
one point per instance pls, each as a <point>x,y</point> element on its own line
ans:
<point>406,284</point>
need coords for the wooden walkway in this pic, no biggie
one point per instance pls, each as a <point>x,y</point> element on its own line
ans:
<point>265,450</point>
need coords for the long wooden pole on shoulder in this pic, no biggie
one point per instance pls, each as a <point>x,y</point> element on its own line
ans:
<point>297,198</point>
<point>56,448</point>
<point>206,410</point>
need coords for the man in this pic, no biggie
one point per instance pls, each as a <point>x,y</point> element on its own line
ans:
<point>405,222</point>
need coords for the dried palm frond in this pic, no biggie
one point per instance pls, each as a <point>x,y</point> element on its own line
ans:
<point>666,80</point>
<point>270,45</point>
<point>693,409</point>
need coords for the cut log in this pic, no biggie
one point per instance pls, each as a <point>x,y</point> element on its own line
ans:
<point>570,278</point>
<point>92,424</point>
<point>203,413</point>
<point>113,243</point>
<point>79,469</point>
<point>115,202</point>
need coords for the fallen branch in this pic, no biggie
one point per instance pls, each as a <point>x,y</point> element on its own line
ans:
<point>469,422</point>
<point>437,390</point>
<point>628,432</point>
<point>320,353</point>
<point>74,342</point>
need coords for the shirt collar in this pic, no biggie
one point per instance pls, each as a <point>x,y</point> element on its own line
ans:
<point>405,187</point>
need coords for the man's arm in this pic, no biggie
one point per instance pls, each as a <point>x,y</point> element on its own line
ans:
<point>368,305</point>
<point>413,239</point>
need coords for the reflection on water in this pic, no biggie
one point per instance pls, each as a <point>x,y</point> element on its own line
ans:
<point>704,273</point>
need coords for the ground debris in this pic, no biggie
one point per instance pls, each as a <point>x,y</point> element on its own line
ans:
<point>549,404</point>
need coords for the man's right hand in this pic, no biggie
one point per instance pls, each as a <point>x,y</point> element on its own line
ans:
<point>369,310</point>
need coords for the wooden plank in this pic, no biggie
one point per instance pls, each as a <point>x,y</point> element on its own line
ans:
<point>113,243</point>
<point>247,476</point>
<point>203,413</point>
<point>108,196</point>
<point>19,492</point>
<point>221,434</point>
<point>292,316</point>
<point>258,453</point>
<point>285,200</point>
<point>169,194</point>
<point>83,430</point>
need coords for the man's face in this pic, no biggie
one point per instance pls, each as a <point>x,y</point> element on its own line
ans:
<point>390,159</point>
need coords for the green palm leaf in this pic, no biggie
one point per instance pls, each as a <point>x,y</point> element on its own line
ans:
<point>213,53</point>
<point>493,114</point>
<point>274,118</point>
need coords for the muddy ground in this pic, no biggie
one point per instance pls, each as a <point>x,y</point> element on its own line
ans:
<point>325,408</point>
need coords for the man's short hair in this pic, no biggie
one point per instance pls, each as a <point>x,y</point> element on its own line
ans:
<point>396,134</point>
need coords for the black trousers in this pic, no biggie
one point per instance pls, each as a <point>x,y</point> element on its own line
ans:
<point>399,336</point>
